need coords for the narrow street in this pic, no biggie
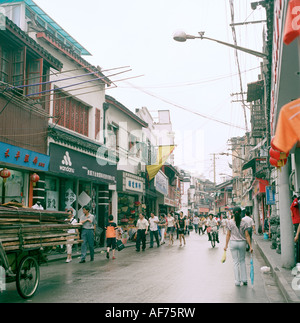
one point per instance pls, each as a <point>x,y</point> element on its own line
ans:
<point>169,274</point>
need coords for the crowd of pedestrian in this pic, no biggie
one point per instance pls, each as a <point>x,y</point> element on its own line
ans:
<point>238,232</point>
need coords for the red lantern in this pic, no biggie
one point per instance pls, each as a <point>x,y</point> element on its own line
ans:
<point>5,173</point>
<point>34,178</point>
<point>278,158</point>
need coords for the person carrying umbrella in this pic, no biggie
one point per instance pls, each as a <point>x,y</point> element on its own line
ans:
<point>237,235</point>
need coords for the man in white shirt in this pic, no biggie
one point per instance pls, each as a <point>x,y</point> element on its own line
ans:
<point>142,229</point>
<point>250,226</point>
<point>213,224</point>
<point>153,221</point>
<point>196,223</point>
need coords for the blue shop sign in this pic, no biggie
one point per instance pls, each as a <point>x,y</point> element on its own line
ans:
<point>23,157</point>
<point>270,196</point>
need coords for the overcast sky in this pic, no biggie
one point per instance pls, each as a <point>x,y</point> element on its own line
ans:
<point>198,75</point>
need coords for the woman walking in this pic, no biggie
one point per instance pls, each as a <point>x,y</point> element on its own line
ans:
<point>162,224</point>
<point>170,228</point>
<point>237,235</point>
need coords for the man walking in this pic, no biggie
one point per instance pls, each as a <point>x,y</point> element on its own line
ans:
<point>181,224</point>
<point>153,221</point>
<point>196,223</point>
<point>88,230</point>
<point>142,229</point>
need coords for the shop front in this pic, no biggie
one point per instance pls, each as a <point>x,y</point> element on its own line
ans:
<point>22,172</point>
<point>161,183</point>
<point>131,190</point>
<point>260,207</point>
<point>76,179</point>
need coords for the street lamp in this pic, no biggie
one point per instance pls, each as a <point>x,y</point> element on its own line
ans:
<point>227,154</point>
<point>181,36</point>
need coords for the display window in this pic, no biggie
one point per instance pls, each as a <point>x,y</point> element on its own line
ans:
<point>14,188</point>
<point>52,193</point>
<point>84,196</point>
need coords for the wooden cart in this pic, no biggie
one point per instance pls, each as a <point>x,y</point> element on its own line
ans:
<point>26,235</point>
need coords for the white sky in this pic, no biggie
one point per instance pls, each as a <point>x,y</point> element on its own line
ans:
<point>139,33</point>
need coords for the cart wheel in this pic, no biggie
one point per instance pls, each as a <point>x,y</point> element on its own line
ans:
<point>28,277</point>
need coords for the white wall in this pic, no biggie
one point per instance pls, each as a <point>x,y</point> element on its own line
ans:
<point>128,162</point>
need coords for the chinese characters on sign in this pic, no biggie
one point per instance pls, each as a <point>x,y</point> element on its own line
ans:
<point>23,157</point>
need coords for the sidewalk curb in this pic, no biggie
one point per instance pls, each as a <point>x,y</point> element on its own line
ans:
<point>285,288</point>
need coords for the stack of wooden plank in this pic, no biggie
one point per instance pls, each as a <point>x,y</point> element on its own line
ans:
<point>25,228</point>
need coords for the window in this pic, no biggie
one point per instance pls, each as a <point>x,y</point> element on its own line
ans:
<point>13,188</point>
<point>97,124</point>
<point>52,193</point>
<point>18,68</point>
<point>5,62</point>
<point>134,146</point>
<point>112,137</point>
<point>71,113</point>
<point>35,74</point>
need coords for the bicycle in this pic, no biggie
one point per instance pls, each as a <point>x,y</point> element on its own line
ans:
<point>213,238</point>
<point>213,235</point>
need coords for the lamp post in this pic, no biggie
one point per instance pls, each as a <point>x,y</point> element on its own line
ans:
<point>181,36</point>
<point>227,154</point>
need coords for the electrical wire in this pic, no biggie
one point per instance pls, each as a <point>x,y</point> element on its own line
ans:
<point>237,61</point>
<point>66,86</point>
<point>59,80</point>
<point>197,82</point>
<point>186,109</point>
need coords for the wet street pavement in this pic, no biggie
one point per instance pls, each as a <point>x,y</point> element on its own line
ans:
<point>169,274</point>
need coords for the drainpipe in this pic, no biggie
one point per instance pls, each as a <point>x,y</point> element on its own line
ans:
<point>105,108</point>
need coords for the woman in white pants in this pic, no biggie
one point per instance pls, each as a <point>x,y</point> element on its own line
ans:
<point>237,235</point>
<point>162,224</point>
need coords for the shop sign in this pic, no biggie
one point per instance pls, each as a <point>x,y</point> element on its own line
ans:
<point>128,182</point>
<point>203,210</point>
<point>279,8</point>
<point>23,157</point>
<point>259,186</point>
<point>270,196</point>
<point>71,162</point>
<point>171,202</point>
<point>134,185</point>
<point>161,183</point>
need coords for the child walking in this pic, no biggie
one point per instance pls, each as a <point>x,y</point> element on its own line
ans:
<point>111,235</point>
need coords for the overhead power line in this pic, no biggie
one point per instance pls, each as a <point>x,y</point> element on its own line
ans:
<point>186,109</point>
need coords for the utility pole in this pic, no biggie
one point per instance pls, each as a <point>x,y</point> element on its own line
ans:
<point>214,165</point>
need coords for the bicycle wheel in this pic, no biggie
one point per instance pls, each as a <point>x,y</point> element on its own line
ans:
<point>213,239</point>
<point>28,277</point>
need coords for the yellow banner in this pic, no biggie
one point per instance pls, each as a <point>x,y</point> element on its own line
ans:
<point>163,154</point>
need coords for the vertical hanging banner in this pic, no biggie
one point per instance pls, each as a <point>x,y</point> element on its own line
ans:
<point>163,154</point>
<point>292,23</point>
